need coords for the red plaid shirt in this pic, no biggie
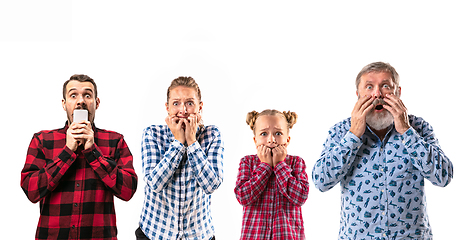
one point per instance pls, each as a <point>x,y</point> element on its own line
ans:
<point>76,189</point>
<point>272,198</point>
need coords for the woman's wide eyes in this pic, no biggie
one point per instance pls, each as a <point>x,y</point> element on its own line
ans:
<point>189,104</point>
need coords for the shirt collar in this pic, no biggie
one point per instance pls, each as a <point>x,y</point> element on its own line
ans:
<point>371,133</point>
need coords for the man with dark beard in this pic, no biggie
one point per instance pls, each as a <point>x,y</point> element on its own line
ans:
<point>76,171</point>
<point>381,156</point>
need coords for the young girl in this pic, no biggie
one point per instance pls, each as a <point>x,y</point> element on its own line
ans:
<point>272,186</point>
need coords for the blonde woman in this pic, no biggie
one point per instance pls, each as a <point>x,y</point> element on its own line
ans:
<point>182,166</point>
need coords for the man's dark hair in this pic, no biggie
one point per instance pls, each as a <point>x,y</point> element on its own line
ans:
<point>80,78</point>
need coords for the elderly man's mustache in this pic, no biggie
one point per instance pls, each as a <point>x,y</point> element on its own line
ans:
<point>378,103</point>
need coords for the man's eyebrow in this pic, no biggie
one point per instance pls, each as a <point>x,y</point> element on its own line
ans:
<point>383,80</point>
<point>75,89</point>
<point>386,81</point>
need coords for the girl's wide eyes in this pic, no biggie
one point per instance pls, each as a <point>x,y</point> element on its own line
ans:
<point>266,134</point>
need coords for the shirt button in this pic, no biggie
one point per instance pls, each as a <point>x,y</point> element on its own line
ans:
<point>76,204</point>
<point>73,226</point>
<point>383,213</point>
<point>78,184</point>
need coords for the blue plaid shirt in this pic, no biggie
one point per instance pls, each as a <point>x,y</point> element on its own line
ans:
<point>382,182</point>
<point>179,182</point>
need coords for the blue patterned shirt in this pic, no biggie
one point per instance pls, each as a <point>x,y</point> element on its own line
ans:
<point>382,182</point>
<point>179,182</point>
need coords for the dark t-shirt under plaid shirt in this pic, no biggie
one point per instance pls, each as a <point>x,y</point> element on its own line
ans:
<point>76,189</point>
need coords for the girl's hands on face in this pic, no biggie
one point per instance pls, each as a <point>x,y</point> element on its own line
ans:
<point>279,153</point>
<point>272,156</point>
<point>176,126</point>
<point>265,154</point>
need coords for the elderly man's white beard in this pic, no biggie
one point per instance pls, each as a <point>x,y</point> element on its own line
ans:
<point>379,121</point>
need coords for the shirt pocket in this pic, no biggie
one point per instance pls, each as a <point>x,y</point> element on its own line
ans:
<point>398,163</point>
<point>400,169</point>
<point>401,173</point>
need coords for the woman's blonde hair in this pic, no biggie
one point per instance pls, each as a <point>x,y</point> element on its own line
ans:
<point>186,82</point>
<point>291,117</point>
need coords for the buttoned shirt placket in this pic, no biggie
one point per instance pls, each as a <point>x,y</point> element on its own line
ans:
<point>77,196</point>
<point>182,172</point>
<point>381,170</point>
<point>274,204</point>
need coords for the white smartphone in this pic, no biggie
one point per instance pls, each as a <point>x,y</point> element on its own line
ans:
<point>80,115</point>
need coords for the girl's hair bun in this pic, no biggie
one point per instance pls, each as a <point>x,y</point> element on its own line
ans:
<point>291,117</point>
<point>251,119</point>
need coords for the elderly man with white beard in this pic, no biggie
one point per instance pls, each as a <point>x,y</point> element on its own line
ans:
<point>381,156</point>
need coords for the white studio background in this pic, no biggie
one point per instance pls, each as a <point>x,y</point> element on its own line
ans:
<point>301,56</point>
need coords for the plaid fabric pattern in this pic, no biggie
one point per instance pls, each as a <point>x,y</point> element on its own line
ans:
<point>179,182</point>
<point>272,198</point>
<point>76,189</point>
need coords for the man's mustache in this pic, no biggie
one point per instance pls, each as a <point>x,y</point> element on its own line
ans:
<point>378,101</point>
